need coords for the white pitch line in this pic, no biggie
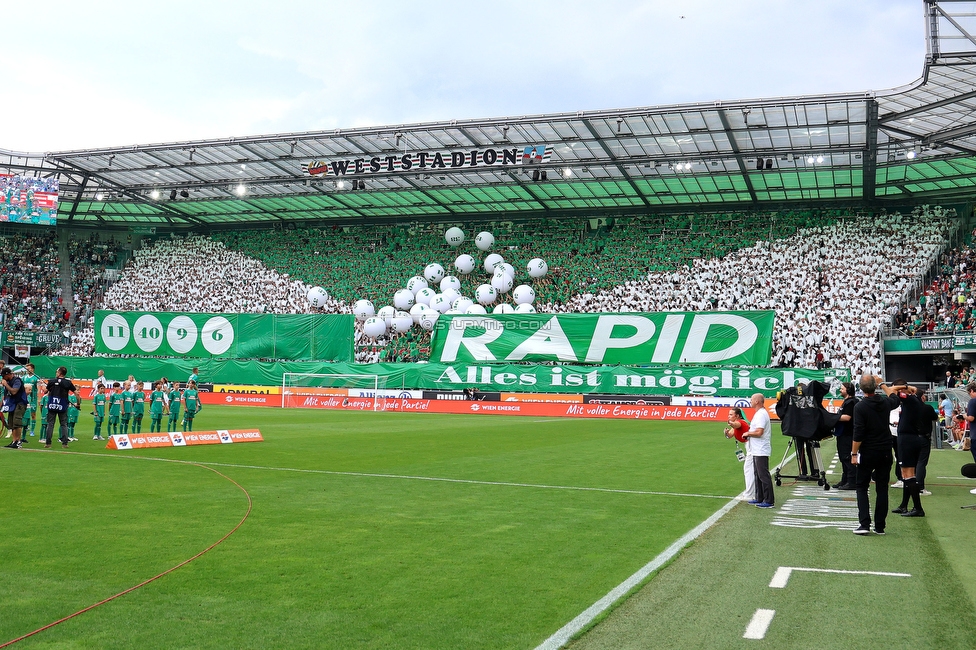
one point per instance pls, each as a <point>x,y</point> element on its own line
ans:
<point>541,486</point>
<point>759,624</point>
<point>564,634</point>
<point>782,575</point>
<point>416,478</point>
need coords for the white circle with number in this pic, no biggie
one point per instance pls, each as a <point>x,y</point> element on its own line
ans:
<point>148,333</point>
<point>181,334</point>
<point>115,332</point>
<point>218,335</point>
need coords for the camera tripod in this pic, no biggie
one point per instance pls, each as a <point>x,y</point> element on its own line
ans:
<point>816,473</point>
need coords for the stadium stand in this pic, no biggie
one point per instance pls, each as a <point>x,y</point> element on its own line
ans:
<point>807,265</point>
<point>946,304</point>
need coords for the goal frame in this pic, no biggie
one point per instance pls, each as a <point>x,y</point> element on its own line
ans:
<point>375,387</point>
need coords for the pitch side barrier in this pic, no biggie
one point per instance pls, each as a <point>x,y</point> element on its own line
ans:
<point>646,407</point>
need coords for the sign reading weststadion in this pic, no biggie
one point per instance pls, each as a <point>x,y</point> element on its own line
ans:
<point>431,161</point>
<point>741,338</point>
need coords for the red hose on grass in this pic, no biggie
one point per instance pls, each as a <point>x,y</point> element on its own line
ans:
<point>156,577</point>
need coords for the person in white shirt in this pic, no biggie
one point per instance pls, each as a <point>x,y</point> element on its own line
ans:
<point>759,444</point>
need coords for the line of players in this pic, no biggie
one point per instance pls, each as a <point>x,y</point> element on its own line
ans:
<point>128,406</point>
<point>124,407</point>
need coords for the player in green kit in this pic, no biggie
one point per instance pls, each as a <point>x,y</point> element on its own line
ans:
<point>114,409</point>
<point>74,411</point>
<point>138,407</point>
<point>126,409</point>
<point>43,412</point>
<point>98,414</point>
<point>30,380</point>
<point>191,404</point>
<point>29,413</point>
<point>174,406</point>
<point>157,403</point>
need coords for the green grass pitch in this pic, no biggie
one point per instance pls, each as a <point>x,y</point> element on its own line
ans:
<point>382,530</point>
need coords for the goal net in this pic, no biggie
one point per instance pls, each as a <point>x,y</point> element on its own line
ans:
<point>298,387</point>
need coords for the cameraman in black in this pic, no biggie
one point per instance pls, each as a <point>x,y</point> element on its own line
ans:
<point>844,435</point>
<point>871,454</point>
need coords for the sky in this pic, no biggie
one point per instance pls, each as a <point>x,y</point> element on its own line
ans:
<point>103,73</point>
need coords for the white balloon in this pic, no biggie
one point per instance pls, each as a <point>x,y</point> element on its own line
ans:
<point>537,267</point>
<point>403,299</point>
<point>523,294</point>
<point>317,297</point>
<point>453,312</point>
<point>492,261</point>
<point>451,295</point>
<point>416,283</point>
<point>484,240</point>
<point>486,294</point>
<point>374,327</point>
<point>450,282</point>
<point>454,236</point>
<point>525,308</point>
<point>417,311</point>
<point>440,303</point>
<point>465,264</point>
<point>502,282</point>
<point>402,323</point>
<point>476,309</point>
<point>363,309</point>
<point>424,296</point>
<point>507,268</point>
<point>428,319</point>
<point>462,304</point>
<point>503,308</point>
<point>434,272</point>
<point>386,313</point>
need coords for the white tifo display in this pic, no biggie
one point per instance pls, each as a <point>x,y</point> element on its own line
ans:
<point>434,292</point>
<point>299,389</point>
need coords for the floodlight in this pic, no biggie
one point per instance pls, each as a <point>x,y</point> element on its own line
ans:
<point>769,163</point>
<point>184,194</point>
<point>687,166</point>
<point>240,190</point>
<point>99,196</point>
<point>340,184</point>
<point>819,159</point>
<point>172,195</point>
<point>809,160</point>
<point>154,194</point>
<point>910,155</point>
<point>567,172</point>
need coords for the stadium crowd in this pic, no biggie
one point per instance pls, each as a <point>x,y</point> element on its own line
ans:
<point>824,308</point>
<point>800,265</point>
<point>946,305</point>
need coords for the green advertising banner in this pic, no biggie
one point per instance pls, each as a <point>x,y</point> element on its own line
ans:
<point>670,380</point>
<point>740,338</point>
<point>237,336</point>
<point>33,339</point>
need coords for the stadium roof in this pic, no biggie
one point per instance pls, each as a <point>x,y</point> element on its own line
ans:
<point>910,144</point>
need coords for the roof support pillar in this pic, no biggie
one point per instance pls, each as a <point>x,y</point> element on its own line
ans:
<point>869,157</point>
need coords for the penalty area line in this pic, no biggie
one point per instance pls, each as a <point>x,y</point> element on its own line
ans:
<point>563,635</point>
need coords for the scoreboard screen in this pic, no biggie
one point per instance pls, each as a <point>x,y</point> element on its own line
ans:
<point>28,200</point>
